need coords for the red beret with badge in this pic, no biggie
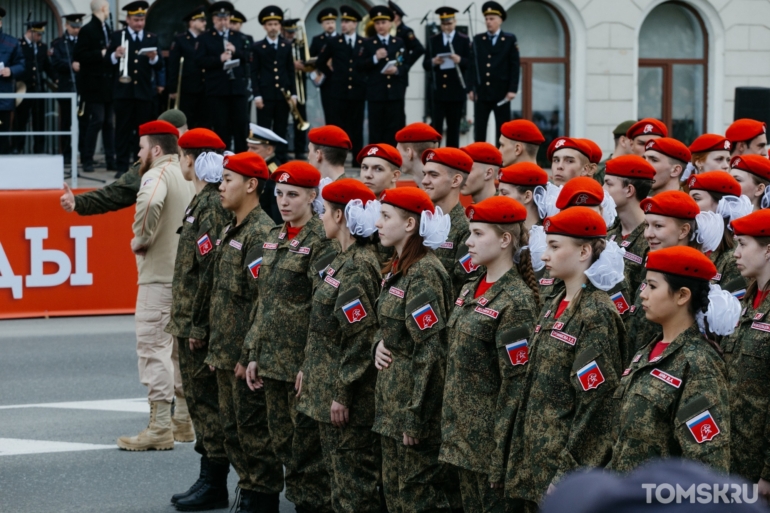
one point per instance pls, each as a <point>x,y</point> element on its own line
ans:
<point>158,127</point>
<point>410,199</point>
<point>670,148</point>
<point>247,164</point>
<point>330,135</point>
<point>450,157</point>
<point>522,130</point>
<point>647,126</point>
<point>345,190</point>
<point>630,166</point>
<point>596,151</point>
<point>484,153</point>
<point>582,190</point>
<point>497,210</point>
<point>681,261</point>
<point>563,143</point>
<point>676,204</point>
<point>297,173</point>
<point>718,182</point>
<point>744,130</point>
<point>380,151</point>
<point>525,174</point>
<point>579,222</point>
<point>201,138</point>
<point>710,142</point>
<point>756,224</point>
<point>755,164</point>
<point>418,132</point>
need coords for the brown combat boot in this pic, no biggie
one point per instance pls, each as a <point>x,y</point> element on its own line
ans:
<point>158,434</point>
<point>181,422</point>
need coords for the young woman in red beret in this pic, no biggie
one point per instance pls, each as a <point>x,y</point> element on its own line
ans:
<point>525,182</point>
<point>337,375</point>
<point>287,270</point>
<point>747,354</point>
<point>489,330</point>
<point>410,351</point>
<point>673,397</point>
<point>565,418</point>
<point>709,152</point>
<point>753,173</point>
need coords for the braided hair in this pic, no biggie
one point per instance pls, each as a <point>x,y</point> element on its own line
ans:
<point>519,239</point>
<point>700,297</point>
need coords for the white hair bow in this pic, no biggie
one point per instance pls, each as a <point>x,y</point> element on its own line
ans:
<point>549,201</point>
<point>537,246</point>
<point>434,227</point>
<point>733,207</point>
<point>688,171</point>
<point>360,218</point>
<point>723,312</point>
<point>318,202</point>
<point>608,270</point>
<point>208,167</point>
<point>609,210</point>
<point>709,232</point>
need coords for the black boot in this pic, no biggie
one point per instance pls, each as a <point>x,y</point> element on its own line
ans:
<point>267,502</point>
<point>212,494</point>
<point>197,484</point>
<point>247,502</point>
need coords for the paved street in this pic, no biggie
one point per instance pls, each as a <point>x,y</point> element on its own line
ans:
<point>68,388</point>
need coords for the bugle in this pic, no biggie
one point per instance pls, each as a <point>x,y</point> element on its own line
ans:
<point>301,123</point>
<point>124,77</point>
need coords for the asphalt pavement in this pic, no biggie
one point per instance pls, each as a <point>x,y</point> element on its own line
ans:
<point>69,388</point>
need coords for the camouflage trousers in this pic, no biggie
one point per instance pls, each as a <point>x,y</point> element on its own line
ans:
<point>353,458</point>
<point>297,443</point>
<point>247,441</point>
<point>201,391</point>
<point>478,496</point>
<point>412,477</point>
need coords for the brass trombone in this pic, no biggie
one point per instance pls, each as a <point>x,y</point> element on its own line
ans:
<point>177,101</point>
<point>301,123</point>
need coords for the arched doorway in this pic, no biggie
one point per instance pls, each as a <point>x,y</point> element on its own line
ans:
<point>673,70</point>
<point>544,48</point>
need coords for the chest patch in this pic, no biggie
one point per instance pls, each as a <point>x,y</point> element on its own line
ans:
<point>254,267</point>
<point>667,378</point>
<point>331,281</point>
<point>487,311</point>
<point>567,339</point>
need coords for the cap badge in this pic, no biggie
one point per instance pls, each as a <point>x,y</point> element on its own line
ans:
<point>582,199</point>
<point>650,145</point>
<point>648,207</point>
<point>560,143</point>
<point>737,163</point>
<point>727,145</point>
<point>470,215</point>
<point>692,182</point>
<point>547,225</point>
<point>648,128</point>
<point>283,178</point>
<point>226,161</point>
<point>500,175</point>
<point>372,151</point>
<point>431,156</point>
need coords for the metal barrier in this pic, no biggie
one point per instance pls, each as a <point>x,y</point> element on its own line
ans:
<point>73,131</point>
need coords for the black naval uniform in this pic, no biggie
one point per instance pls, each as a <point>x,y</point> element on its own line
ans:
<point>384,93</point>
<point>12,57</point>
<point>62,50</point>
<point>316,47</point>
<point>414,48</point>
<point>300,136</point>
<point>498,71</point>
<point>272,69</point>
<point>448,94</point>
<point>226,93</point>
<point>347,86</point>
<point>267,199</point>
<point>133,102</point>
<point>192,101</point>
<point>36,63</point>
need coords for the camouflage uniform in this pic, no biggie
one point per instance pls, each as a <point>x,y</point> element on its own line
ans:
<point>728,277</point>
<point>565,422</point>
<point>640,330</point>
<point>601,170</point>
<point>276,341</point>
<point>747,355</point>
<point>338,367</point>
<point>636,247</point>
<point>483,384</point>
<point>409,393</point>
<point>454,249</point>
<point>242,411</point>
<point>204,218</point>
<point>382,253</point>
<point>656,401</point>
<point>115,196</point>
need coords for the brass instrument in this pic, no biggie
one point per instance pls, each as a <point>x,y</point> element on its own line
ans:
<point>300,37</point>
<point>230,73</point>
<point>299,76</point>
<point>301,123</point>
<point>21,88</point>
<point>124,77</point>
<point>457,67</point>
<point>82,109</point>
<point>178,87</point>
<point>366,28</point>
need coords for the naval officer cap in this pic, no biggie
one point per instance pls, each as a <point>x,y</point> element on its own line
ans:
<point>261,135</point>
<point>270,13</point>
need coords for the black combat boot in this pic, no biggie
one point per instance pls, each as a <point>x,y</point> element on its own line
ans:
<point>213,492</point>
<point>197,484</point>
<point>267,502</point>
<point>247,502</point>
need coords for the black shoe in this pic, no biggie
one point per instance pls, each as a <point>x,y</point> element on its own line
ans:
<point>212,494</point>
<point>112,166</point>
<point>202,477</point>
<point>267,502</point>
<point>247,502</point>
<point>88,168</point>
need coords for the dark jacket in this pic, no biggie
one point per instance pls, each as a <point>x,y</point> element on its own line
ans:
<point>217,81</point>
<point>183,45</point>
<point>498,66</point>
<point>348,81</point>
<point>12,57</point>
<point>140,70</point>
<point>272,70</point>
<point>96,70</point>
<point>379,87</point>
<point>414,48</point>
<point>35,64</point>
<point>62,50</point>
<point>448,87</point>
<point>317,45</point>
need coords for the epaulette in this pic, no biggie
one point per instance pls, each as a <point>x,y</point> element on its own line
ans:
<point>272,167</point>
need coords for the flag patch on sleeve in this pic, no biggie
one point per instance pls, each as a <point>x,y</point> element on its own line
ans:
<point>354,311</point>
<point>425,317</point>
<point>204,244</point>
<point>590,376</point>
<point>254,267</point>
<point>518,352</point>
<point>703,427</point>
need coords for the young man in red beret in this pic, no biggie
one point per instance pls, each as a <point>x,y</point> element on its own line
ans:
<point>747,137</point>
<point>520,141</point>
<point>669,157</point>
<point>444,172</point>
<point>487,160</point>
<point>233,297</point>
<point>380,167</point>
<point>328,148</point>
<point>569,158</point>
<point>643,132</point>
<point>160,204</point>
<point>411,142</point>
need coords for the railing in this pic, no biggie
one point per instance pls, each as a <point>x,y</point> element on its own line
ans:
<point>73,131</point>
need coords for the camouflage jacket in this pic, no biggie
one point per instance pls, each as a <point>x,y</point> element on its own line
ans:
<point>232,296</point>
<point>453,253</point>
<point>412,310</point>
<point>640,330</point>
<point>728,276</point>
<point>193,268</point>
<point>747,355</point>
<point>290,269</point>
<point>674,406</point>
<point>566,417</point>
<point>485,373</point>
<point>115,196</point>
<point>636,247</point>
<point>338,362</point>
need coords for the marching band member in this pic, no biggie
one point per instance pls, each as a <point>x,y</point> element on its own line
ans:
<point>753,173</point>
<point>192,101</point>
<point>327,18</point>
<point>480,183</point>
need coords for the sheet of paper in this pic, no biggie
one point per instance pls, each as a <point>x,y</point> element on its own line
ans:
<point>148,50</point>
<point>234,63</point>
<point>390,64</point>
<point>448,62</point>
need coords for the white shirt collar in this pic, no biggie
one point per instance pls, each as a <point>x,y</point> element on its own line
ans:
<point>449,36</point>
<point>192,33</point>
<point>140,33</point>
<point>333,34</point>
<point>272,41</point>
<point>495,34</point>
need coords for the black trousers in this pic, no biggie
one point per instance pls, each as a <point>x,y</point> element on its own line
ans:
<point>452,112</point>
<point>5,126</point>
<point>29,109</point>
<point>349,116</point>
<point>99,117</point>
<point>129,114</point>
<point>327,102</point>
<point>481,111</point>
<point>275,116</point>
<point>194,107</point>
<point>229,118</point>
<point>300,136</point>
<point>65,116</point>
<point>385,119</point>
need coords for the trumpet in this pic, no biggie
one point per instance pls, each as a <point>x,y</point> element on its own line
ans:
<point>124,77</point>
<point>301,123</point>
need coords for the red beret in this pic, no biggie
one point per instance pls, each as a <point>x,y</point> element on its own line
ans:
<point>345,190</point>
<point>522,130</point>
<point>670,147</point>
<point>484,153</point>
<point>582,190</point>
<point>410,199</point>
<point>596,152</point>
<point>745,130</point>
<point>527,174</point>
<point>715,181</point>
<point>381,151</point>
<point>247,164</point>
<point>497,210</point>
<point>330,135</point>
<point>755,164</point>
<point>647,126</point>
<point>297,173</point>
<point>561,143</point>
<point>671,204</point>
<point>418,132</point>
<point>201,138</point>
<point>580,222</point>
<point>681,261</point>
<point>450,157</point>
<point>709,142</point>
<point>157,127</point>
<point>630,166</point>
<point>756,224</point>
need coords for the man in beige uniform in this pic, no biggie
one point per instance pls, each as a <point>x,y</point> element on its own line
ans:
<point>160,205</point>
